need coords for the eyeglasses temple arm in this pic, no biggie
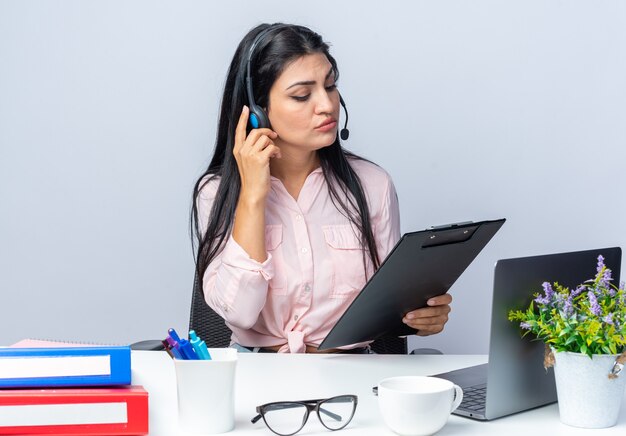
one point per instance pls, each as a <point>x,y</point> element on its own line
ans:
<point>256,419</point>
<point>331,414</point>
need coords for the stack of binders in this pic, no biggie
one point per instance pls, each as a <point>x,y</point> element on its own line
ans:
<point>56,388</point>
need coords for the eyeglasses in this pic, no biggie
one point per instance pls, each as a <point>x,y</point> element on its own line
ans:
<point>286,418</point>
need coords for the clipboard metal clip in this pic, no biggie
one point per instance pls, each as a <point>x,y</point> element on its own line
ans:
<point>451,226</point>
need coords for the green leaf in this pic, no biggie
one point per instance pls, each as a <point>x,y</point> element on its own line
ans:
<point>584,349</point>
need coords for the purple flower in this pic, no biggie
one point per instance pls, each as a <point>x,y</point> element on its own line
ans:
<point>548,294</point>
<point>525,325</point>
<point>600,263</point>
<point>606,278</point>
<point>547,289</point>
<point>593,303</point>
<point>608,319</point>
<point>578,290</point>
<point>621,285</point>
<point>568,308</point>
<point>612,291</point>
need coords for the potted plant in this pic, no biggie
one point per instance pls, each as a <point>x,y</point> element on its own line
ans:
<point>584,330</point>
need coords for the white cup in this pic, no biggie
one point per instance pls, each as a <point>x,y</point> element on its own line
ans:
<point>416,405</point>
<point>206,397</point>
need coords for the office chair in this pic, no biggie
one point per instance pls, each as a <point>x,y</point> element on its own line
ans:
<point>213,330</point>
<point>207,324</point>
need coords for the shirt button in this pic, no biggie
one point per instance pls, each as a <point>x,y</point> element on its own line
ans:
<point>295,318</point>
<point>225,308</point>
<point>298,217</point>
<point>307,288</point>
<point>305,250</point>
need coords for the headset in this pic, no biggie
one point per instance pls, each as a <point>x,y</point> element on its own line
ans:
<point>258,118</point>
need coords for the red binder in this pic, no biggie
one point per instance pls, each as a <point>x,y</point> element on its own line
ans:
<point>71,411</point>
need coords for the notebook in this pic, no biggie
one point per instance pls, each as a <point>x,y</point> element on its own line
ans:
<point>514,379</point>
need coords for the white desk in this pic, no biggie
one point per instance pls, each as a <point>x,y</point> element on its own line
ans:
<point>262,378</point>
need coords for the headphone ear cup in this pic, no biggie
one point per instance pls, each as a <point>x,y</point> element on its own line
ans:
<point>258,118</point>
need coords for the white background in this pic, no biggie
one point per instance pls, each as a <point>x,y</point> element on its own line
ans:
<point>478,109</point>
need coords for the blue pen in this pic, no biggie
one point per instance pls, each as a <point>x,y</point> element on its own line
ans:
<point>199,346</point>
<point>184,346</point>
<point>173,334</point>
<point>187,349</point>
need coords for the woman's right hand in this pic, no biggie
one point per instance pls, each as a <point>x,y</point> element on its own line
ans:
<point>253,153</point>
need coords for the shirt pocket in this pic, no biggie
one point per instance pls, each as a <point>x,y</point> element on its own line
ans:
<point>346,255</point>
<point>273,244</point>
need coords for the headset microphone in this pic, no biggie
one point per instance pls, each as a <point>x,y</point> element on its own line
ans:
<point>344,133</point>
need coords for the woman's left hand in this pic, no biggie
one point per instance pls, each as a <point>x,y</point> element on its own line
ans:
<point>430,320</point>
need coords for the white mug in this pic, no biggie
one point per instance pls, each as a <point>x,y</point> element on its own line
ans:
<point>416,405</point>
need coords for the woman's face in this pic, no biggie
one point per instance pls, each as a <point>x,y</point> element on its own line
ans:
<point>304,104</point>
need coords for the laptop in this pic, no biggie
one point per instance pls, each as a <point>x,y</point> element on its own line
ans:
<point>514,379</point>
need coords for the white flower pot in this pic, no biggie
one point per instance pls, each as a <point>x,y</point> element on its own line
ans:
<point>588,398</point>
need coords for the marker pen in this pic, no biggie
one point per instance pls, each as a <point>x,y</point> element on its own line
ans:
<point>174,348</point>
<point>173,334</point>
<point>199,346</point>
<point>187,350</point>
<point>183,346</point>
<point>166,346</point>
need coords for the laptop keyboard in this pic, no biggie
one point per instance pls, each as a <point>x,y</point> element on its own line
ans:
<point>474,398</point>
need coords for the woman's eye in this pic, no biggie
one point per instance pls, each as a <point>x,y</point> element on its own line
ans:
<point>300,98</point>
<point>331,87</point>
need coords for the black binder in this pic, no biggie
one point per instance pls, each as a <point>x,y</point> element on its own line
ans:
<point>422,265</point>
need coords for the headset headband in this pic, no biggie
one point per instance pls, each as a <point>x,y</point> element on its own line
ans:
<point>256,41</point>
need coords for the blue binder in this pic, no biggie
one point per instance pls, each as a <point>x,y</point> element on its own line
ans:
<point>65,366</point>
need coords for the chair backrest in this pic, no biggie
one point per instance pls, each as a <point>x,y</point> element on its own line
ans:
<point>389,345</point>
<point>213,330</point>
<point>207,324</point>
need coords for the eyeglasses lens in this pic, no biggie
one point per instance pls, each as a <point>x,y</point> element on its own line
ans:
<point>285,418</point>
<point>335,413</point>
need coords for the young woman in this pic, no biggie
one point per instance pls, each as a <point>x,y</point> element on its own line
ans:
<point>289,224</point>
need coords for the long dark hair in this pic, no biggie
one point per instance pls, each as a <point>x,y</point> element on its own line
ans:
<point>281,45</point>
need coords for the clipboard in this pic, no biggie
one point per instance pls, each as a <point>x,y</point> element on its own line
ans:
<point>422,265</point>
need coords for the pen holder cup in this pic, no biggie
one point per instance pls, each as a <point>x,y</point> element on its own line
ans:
<point>205,388</point>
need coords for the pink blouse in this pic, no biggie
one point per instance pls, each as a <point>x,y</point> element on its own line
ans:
<point>314,268</point>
